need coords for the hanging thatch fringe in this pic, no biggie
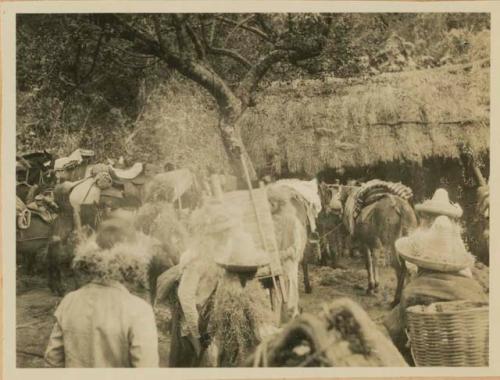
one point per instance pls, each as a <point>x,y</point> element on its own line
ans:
<point>343,123</point>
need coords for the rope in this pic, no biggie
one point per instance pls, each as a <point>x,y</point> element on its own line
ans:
<point>332,230</point>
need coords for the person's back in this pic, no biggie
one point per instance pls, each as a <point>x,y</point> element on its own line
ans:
<point>104,326</point>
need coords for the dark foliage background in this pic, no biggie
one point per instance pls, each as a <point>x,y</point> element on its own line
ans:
<point>80,86</point>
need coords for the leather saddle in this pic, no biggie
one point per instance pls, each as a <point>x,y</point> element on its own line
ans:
<point>134,174</point>
<point>41,207</point>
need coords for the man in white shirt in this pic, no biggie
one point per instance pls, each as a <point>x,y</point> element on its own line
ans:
<point>102,324</point>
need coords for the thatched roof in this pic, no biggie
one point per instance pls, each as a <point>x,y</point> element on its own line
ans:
<point>315,125</point>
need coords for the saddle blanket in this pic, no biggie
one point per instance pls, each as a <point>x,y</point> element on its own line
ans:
<point>368,194</point>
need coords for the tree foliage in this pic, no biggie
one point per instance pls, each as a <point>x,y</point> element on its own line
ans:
<point>84,80</point>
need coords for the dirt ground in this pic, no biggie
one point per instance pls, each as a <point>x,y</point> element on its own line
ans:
<point>36,304</point>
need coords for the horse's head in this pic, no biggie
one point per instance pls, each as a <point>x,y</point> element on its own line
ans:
<point>331,197</point>
<point>337,201</point>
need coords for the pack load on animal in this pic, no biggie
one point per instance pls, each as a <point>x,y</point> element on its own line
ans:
<point>74,159</point>
<point>42,206</point>
<point>369,193</point>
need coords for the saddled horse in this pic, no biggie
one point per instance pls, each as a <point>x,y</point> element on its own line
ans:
<point>87,203</point>
<point>376,229</point>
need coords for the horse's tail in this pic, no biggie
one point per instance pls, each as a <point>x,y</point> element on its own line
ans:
<point>408,218</point>
<point>407,223</point>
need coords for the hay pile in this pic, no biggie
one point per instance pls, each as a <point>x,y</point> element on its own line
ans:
<point>337,123</point>
<point>125,262</point>
<point>237,315</point>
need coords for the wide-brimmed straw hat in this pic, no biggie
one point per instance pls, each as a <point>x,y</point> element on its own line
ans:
<point>242,256</point>
<point>440,205</point>
<point>438,248</point>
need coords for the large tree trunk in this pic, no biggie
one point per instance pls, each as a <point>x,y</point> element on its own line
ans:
<point>235,148</point>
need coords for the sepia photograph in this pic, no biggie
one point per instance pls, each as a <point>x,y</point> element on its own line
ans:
<point>250,189</point>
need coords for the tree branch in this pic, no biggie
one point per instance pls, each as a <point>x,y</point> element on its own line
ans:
<point>256,73</point>
<point>94,59</point>
<point>76,64</point>
<point>265,26</point>
<point>227,102</point>
<point>125,31</point>
<point>181,42</point>
<point>231,54</point>
<point>256,31</point>
<point>200,51</point>
<point>237,25</point>
<point>212,31</point>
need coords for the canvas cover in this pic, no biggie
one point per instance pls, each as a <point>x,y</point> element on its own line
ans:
<point>307,193</point>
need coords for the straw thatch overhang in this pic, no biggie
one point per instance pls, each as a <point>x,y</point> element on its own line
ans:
<point>311,126</point>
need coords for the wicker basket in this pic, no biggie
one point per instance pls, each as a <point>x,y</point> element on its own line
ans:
<point>449,334</point>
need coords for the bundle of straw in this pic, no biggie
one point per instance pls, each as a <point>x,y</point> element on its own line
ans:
<point>237,315</point>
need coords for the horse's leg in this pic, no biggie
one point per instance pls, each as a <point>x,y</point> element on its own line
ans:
<point>326,254</point>
<point>305,270</point>
<point>401,271</point>
<point>376,251</point>
<point>29,260</point>
<point>77,222</point>
<point>369,269</point>
<point>53,265</point>
<point>295,288</point>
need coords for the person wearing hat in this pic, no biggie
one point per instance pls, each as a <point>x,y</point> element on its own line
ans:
<point>102,324</point>
<point>441,257</point>
<point>291,236</point>
<point>440,204</point>
<point>242,315</point>
<point>196,278</point>
<point>430,209</point>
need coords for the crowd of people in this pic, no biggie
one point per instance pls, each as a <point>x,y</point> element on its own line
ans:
<point>219,310</point>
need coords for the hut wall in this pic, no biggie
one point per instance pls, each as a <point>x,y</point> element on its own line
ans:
<point>424,179</point>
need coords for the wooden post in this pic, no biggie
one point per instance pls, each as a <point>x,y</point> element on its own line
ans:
<point>276,284</point>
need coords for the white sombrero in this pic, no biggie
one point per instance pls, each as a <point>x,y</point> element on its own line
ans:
<point>242,255</point>
<point>439,248</point>
<point>440,205</point>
